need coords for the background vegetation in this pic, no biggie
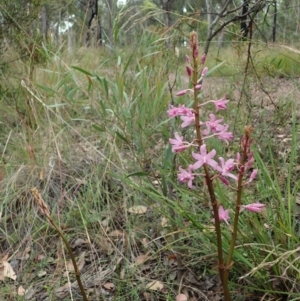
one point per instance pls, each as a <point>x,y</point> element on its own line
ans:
<point>83,119</point>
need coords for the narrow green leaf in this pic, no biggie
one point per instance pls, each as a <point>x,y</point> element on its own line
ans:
<point>122,137</point>
<point>214,68</point>
<point>98,128</point>
<point>82,70</point>
<point>56,105</point>
<point>137,174</point>
<point>127,64</point>
<point>47,89</point>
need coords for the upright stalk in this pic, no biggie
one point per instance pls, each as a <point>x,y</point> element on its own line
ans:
<point>246,141</point>
<point>223,170</point>
<point>208,180</point>
<point>45,211</point>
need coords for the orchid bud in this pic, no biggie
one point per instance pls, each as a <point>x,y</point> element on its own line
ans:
<point>255,207</point>
<point>253,174</point>
<point>189,71</point>
<point>204,71</point>
<point>182,92</point>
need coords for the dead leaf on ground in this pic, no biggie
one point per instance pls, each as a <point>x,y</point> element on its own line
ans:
<point>6,271</point>
<point>139,209</point>
<point>155,285</point>
<point>109,286</point>
<point>145,242</point>
<point>42,273</point>
<point>164,222</point>
<point>142,258</point>
<point>21,291</point>
<point>23,255</point>
<point>116,233</point>
<point>122,274</point>
<point>79,242</point>
<point>105,222</point>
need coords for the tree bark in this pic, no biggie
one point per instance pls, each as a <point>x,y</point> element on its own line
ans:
<point>44,22</point>
<point>208,14</point>
<point>90,8</point>
<point>244,25</point>
<point>274,21</point>
<point>110,21</point>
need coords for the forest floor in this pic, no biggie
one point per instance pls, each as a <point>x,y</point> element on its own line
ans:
<point>124,251</point>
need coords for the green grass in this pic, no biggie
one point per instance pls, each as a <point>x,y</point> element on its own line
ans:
<point>91,133</point>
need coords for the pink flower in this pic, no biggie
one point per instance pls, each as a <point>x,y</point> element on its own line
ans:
<point>214,124</point>
<point>221,103</point>
<point>254,207</point>
<point>225,168</point>
<point>186,176</point>
<point>225,136</point>
<point>178,145</point>
<point>204,158</point>
<point>198,87</point>
<point>252,176</point>
<point>187,59</point>
<point>223,215</point>
<point>188,119</point>
<point>182,92</point>
<point>181,110</point>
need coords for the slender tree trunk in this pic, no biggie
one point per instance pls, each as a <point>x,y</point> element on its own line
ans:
<point>209,12</point>
<point>59,36</point>
<point>274,21</point>
<point>244,25</point>
<point>99,31</point>
<point>70,33</point>
<point>44,22</point>
<point>110,21</point>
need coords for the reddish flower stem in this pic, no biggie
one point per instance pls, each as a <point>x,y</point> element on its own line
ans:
<point>208,178</point>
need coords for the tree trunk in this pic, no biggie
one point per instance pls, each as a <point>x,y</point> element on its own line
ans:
<point>70,33</point>
<point>208,14</point>
<point>110,21</point>
<point>44,22</point>
<point>244,25</point>
<point>90,8</point>
<point>274,21</point>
